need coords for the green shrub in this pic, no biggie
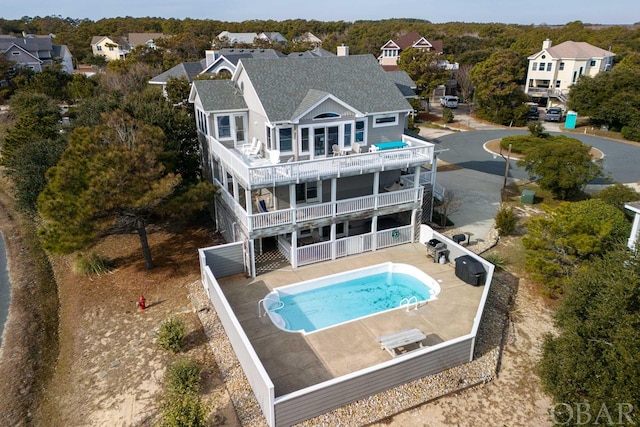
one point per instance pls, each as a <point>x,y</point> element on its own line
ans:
<point>496,260</point>
<point>171,334</point>
<point>447,115</point>
<point>183,376</point>
<point>506,220</point>
<point>631,132</point>
<point>185,410</point>
<point>91,264</point>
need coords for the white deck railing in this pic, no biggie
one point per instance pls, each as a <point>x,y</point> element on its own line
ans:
<point>320,210</point>
<point>259,172</point>
<point>352,245</point>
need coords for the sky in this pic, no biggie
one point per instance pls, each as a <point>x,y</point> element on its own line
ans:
<point>502,11</point>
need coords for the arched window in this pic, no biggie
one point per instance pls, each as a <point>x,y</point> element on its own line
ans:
<point>326,116</point>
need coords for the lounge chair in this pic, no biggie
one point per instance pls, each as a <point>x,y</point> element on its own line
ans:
<point>395,186</point>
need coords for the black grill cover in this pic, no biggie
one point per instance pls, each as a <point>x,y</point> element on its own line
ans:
<point>470,270</point>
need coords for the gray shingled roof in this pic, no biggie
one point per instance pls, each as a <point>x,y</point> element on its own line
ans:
<point>404,83</point>
<point>219,95</point>
<point>357,80</point>
<point>185,69</point>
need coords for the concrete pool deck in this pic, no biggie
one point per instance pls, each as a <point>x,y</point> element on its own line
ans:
<point>295,361</point>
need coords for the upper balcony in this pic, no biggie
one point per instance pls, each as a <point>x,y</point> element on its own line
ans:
<point>264,170</point>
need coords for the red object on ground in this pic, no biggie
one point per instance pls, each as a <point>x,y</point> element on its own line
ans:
<point>141,303</point>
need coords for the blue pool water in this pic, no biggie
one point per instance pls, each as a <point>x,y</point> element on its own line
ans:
<point>329,305</point>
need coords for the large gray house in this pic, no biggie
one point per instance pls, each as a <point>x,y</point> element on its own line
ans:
<point>312,158</point>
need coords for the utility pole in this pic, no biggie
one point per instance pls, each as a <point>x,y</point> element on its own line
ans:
<point>506,169</point>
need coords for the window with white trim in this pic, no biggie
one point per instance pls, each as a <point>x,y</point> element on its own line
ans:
<point>347,135</point>
<point>534,66</point>
<point>326,116</point>
<point>98,48</point>
<point>223,127</point>
<point>385,120</point>
<point>285,139</point>
<point>593,62</point>
<point>360,131</point>
<point>308,192</point>
<point>561,66</point>
<point>549,66</point>
<point>304,140</point>
<point>268,134</point>
<point>557,83</point>
<point>542,65</point>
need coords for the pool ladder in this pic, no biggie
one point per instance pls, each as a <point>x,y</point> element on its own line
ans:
<point>408,301</point>
<point>262,306</point>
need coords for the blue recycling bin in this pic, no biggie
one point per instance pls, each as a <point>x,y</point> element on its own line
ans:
<point>570,122</point>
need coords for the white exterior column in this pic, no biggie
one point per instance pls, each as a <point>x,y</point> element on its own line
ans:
<point>292,201</point>
<point>294,249</point>
<point>334,192</point>
<point>334,243</point>
<point>374,233</point>
<point>376,185</point>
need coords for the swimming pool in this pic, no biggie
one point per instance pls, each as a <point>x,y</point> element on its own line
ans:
<point>331,300</point>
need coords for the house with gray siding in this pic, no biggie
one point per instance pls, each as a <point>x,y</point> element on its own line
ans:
<point>312,158</point>
<point>35,52</point>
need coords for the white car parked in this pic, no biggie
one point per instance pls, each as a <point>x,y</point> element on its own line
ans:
<point>449,101</point>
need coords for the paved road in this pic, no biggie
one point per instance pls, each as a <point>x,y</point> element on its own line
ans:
<point>621,161</point>
<point>478,184</point>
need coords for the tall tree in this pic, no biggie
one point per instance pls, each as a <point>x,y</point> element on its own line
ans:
<point>558,243</point>
<point>561,165</point>
<point>594,359</point>
<point>36,117</point>
<point>498,95</point>
<point>422,67</point>
<point>108,179</point>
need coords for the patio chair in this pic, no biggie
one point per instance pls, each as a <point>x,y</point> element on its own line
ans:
<point>262,206</point>
<point>254,149</point>
<point>336,149</point>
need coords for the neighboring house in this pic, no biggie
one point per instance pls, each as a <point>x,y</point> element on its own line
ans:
<point>35,52</point>
<point>249,38</point>
<point>275,139</point>
<point>112,48</point>
<point>393,48</point>
<point>316,52</point>
<point>634,237</point>
<point>554,69</point>
<point>309,38</point>
<point>215,62</point>
<point>148,39</point>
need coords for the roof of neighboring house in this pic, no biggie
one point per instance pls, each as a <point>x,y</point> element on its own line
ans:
<point>407,40</point>
<point>219,95</point>
<point>274,36</point>
<point>358,80</point>
<point>317,52</point>
<point>247,38</point>
<point>120,41</point>
<point>307,37</point>
<point>403,82</point>
<point>235,55</point>
<point>136,39</point>
<point>40,47</point>
<point>571,49</point>
<point>189,70</point>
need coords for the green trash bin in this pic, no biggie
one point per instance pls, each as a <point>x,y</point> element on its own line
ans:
<point>528,196</point>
